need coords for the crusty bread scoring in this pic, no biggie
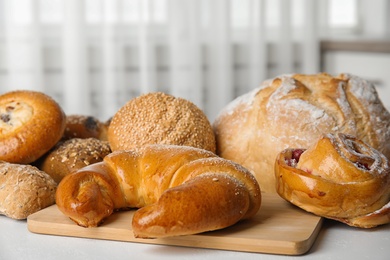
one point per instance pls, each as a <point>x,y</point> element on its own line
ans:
<point>294,111</point>
<point>158,118</point>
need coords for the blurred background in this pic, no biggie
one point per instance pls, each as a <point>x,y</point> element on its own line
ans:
<point>92,56</point>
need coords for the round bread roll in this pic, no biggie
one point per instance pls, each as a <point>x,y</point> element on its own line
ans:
<point>73,154</point>
<point>294,111</point>
<point>158,118</point>
<point>31,123</point>
<point>81,126</point>
<point>24,190</point>
<point>339,177</point>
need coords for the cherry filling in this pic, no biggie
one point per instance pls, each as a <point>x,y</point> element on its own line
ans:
<point>91,124</point>
<point>363,166</point>
<point>295,155</point>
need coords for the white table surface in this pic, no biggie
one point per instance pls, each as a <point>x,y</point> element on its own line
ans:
<point>335,241</point>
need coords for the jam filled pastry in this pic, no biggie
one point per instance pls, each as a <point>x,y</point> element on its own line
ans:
<point>180,190</point>
<point>339,177</point>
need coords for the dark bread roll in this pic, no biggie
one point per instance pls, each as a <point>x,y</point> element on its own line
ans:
<point>73,154</point>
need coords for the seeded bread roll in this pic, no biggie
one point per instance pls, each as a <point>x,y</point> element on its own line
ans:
<point>294,111</point>
<point>158,118</point>
<point>24,190</point>
<point>81,126</point>
<point>73,154</point>
<point>31,123</point>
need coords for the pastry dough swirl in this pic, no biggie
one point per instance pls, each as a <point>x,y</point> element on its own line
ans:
<point>180,190</point>
<point>340,177</point>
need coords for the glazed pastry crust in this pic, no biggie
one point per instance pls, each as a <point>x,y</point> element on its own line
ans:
<point>82,126</point>
<point>31,123</point>
<point>180,190</point>
<point>339,177</point>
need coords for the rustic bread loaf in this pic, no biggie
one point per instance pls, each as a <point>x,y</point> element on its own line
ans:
<point>294,111</point>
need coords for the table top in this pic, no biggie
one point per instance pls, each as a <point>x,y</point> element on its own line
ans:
<point>335,241</point>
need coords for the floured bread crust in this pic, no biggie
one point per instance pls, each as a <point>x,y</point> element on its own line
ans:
<point>294,111</point>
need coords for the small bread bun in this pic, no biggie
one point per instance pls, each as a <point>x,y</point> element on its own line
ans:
<point>24,190</point>
<point>31,123</point>
<point>73,154</point>
<point>81,126</point>
<point>158,118</point>
<point>294,111</point>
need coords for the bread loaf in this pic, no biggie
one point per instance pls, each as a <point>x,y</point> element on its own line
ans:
<point>339,177</point>
<point>24,190</point>
<point>180,190</point>
<point>159,118</point>
<point>294,111</point>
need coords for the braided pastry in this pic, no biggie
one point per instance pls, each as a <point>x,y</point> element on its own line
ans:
<point>340,177</point>
<point>180,190</point>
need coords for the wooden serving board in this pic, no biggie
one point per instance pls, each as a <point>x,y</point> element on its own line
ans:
<point>278,228</point>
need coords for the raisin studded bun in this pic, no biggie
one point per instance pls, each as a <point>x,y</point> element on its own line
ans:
<point>158,118</point>
<point>71,155</point>
<point>294,111</point>
<point>82,126</point>
<point>31,123</point>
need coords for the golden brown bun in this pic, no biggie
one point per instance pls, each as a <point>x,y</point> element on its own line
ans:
<point>24,190</point>
<point>158,118</point>
<point>31,123</point>
<point>73,154</point>
<point>294,111</point>
<point>339,177</point>
<point>81,126</point>
<point>180,189</point>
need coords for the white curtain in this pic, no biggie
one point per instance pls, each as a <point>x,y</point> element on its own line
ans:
<point>92,56</point>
